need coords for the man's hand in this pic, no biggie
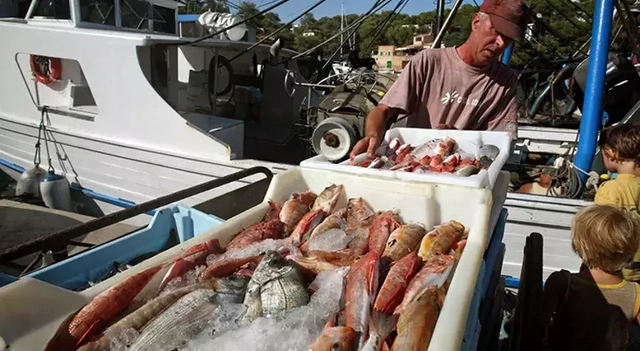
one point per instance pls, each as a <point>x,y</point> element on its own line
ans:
<point>444,126</point>
<point>368,144</point>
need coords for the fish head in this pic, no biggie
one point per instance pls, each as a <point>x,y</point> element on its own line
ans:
<point>368,267</point>
<point>306,197</point>
<point>335,339</point>
<point>234,284</point>
<point>328,198</point>
<point>272,266</point>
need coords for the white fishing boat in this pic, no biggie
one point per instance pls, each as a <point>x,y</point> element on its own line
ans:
<point>127,110</point>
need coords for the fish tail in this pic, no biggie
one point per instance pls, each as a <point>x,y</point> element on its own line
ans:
<point>382,324</point>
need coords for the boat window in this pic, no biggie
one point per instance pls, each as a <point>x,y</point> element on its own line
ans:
<point>134,14</point>
<point>58,9</point>
<point>98,11</point>
<point>166,23</point>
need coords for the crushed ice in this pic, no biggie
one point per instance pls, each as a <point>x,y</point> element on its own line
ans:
<point>255,249</point>
<point>124,340</point>
<point>189,278</point>
<point>331,241</point>
<point>296,331</point>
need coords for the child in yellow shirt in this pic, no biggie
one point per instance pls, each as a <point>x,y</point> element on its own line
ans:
<point>592,309</point>
<point>620,147</point>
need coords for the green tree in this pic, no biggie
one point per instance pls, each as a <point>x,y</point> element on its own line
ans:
<point>308,21</point>
<point>248,9</point>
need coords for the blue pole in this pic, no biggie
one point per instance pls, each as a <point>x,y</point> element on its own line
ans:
<point>592,108</point>
<point>506,55</point>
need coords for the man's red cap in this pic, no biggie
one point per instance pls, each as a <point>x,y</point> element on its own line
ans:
<point>508,17</point>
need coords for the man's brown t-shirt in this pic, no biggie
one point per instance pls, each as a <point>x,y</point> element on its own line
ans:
<point>437,87</point>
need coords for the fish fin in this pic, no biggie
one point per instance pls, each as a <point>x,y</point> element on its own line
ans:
<point>382,324</point>
<point>178,269</point>
<point>93,328</point>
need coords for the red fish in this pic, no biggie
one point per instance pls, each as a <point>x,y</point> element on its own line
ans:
<point>192,257</point>
<point>256,233</point>
<point>340,258</point>
<point>292,212</point>
<point>226,266</point>
<point>273,212</point>
<point>404,154</point>
<point>381,227</point>
<point>436,271</point>
<point>334,338</point>
<point>417,322</point>
<point>101,311</point>
<point>425,161</point>
<point>445,147</point>
<point>403,240</point>
<point>440,240</point>
<point>394,286</point>
<point>360,292</point>
<point>328,198</point>
<point>307,224</point>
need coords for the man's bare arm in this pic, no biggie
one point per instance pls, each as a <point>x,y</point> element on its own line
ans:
<point>374,130</point>
<point>377,120</point>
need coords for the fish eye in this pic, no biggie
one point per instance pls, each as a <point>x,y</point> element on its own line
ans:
<point>336,346</point>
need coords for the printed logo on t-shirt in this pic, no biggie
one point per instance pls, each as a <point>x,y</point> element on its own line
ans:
<point>454,97</point>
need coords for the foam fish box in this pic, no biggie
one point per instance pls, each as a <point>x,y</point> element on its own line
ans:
<point>426,203</point>
<point>468,141</point>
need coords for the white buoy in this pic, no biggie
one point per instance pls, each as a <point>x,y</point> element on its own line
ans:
<point>55,192</point>
<point>29,182</point>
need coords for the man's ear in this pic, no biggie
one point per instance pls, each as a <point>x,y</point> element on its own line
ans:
<point>475,22</point>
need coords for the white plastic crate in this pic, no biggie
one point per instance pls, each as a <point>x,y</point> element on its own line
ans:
<point>468,141</point>
<point>425,203</point>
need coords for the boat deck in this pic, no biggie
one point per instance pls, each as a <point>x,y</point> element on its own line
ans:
<point>21,222</point>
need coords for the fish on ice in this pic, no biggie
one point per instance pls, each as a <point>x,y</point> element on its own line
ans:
<point>275,288</point>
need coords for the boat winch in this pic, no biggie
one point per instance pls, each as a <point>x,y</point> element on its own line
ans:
<point>333,138</point>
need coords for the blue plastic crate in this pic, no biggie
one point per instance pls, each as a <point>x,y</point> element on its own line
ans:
<point>75,272</point>
<point>493,249</point>
<point>470,340</point>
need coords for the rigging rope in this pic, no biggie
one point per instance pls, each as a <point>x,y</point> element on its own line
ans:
<point>211,35</point>
<point>348,28</point>
<point>389,19</point>
<point>284,26</point>
<point>361,19</point>
<point>42,134</point>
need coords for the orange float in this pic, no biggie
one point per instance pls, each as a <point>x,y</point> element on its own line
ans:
<point>55,69</point>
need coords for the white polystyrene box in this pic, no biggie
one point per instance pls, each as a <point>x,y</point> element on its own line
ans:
<point>426,203</point>
<point>468,141</point>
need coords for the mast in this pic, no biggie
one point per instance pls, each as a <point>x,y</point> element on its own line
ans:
<point>341,26</point>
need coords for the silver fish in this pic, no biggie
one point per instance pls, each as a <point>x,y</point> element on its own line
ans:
<point>467,171</point>
<point>189,316</point>
<point>489,151</point>
<point>275,288</point>
<point>182,321</point>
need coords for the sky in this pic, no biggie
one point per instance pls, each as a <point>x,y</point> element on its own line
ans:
<point>292,8</point>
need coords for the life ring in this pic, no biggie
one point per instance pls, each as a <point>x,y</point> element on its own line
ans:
<point>46,69</point>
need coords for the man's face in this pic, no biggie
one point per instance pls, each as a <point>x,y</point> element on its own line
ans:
<point>489,43</point>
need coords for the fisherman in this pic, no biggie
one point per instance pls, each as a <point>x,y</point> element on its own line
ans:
<point>464,87</point>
